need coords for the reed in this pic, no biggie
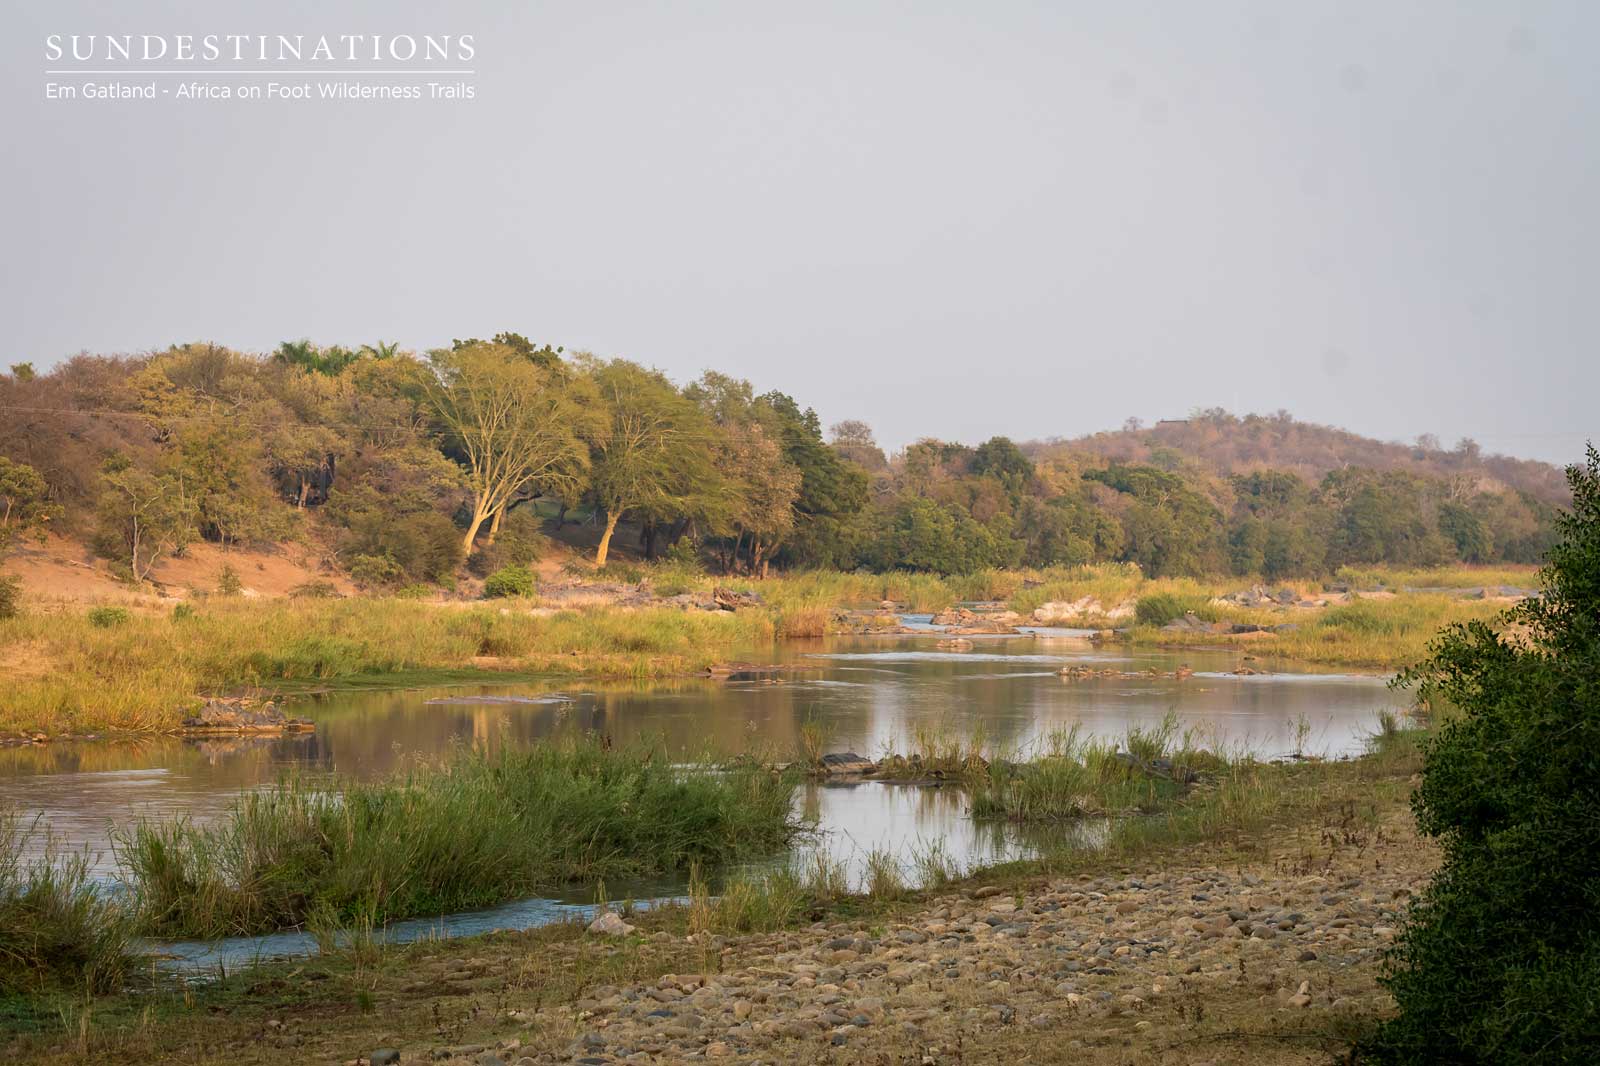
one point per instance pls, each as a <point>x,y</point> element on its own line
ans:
<point>465,833</point>
<point>58,931</point>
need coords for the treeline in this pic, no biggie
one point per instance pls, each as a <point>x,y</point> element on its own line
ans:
<point>408,467</point>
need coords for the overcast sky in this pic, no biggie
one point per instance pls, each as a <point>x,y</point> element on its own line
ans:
<point>960,220</point>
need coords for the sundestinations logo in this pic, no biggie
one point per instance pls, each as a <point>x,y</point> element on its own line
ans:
<point>259,48</point>
<point>260,67</point>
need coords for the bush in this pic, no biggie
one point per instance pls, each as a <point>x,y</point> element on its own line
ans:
<point>510,581</point>
<point>519,543</point>
<point>1500,958</point>
<point>314,590</point>
<point>182,612</point>
<point>107,617</point>
<point>228,583</point>
<point>1160,608</point>
<point>375,571</point>
<point>10,597</point>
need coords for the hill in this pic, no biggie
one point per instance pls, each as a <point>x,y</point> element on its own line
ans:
<point>1224,445</point>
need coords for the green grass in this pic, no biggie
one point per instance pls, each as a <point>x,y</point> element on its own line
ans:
<point>466,833</point>
<point>1075,777</point>
<point>58,932</point>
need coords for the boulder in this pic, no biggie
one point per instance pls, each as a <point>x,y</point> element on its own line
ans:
<point>232,717</point>
<point>846,762</point>
<point>610,924</point>
<point>733,599</point>
<point>954,616</point>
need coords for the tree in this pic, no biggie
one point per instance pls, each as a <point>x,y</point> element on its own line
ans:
<point>381,350</point>
<point>1170,528</point>
<point>1467,532</point>
<point>1002,460</point>
<point>542,354</point>
<point>651,452</point>
<point>512,423</point>
<point>302,353</point>
<point>23,496</point>
<point>853,439</point>
<point>1499,960</point>
<point>143,516</point>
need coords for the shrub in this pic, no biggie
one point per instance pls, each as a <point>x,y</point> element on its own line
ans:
<point>375,571</point>
<point>228,583</point>
<point>1499,959</point>
<point>1160,608</point>
<point>510,581</point>
<point>519,543</point>
<point>108,617</point>
<point>314,590</point>
<point>182,612</point>
<point>10,597</point>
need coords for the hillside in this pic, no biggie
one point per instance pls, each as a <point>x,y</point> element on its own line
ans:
<point>1224,444</point>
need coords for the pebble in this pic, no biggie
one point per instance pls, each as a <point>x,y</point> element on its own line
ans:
<point>1075,956</point>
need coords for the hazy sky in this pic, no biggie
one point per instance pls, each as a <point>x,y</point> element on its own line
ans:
<point>946,219</point>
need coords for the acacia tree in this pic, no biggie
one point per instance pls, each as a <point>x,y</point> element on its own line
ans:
<point>651,450</point>
<point>512,423</point>
<point>143,515</point>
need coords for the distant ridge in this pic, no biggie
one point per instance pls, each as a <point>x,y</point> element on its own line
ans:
<point>1223,444</point>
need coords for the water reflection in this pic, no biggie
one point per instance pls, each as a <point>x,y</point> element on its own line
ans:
<point>871,694</point>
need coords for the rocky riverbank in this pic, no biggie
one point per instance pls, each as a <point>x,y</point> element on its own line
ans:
<point>1196,964</point>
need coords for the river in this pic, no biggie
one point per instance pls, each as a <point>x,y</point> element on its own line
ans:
<point>870,695</point>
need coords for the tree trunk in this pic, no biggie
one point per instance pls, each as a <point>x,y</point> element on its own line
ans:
<point>605,538</point>
<point>305,488</point>
<point>650,531</point>
<point>478,516</point>
<point>494,527</point>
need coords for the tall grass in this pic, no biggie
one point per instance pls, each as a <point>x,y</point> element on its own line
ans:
<point>1074,776</point>
<point>465,833</point>
<point>64,674</point>
<point>57,930</point>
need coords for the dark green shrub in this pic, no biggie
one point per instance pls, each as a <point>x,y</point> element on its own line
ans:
<point>510,581</point>
<point>182,612</point>
<point>10,597</point>
<point>228,582</point>
<point>314,590</point>
<point>1160,608</point>
<point>106,617</point>
<point>1499,961</point>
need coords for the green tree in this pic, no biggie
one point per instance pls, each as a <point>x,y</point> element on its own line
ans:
<point>1169,528</point>
<point>1499,961</point>
<point>513,423</point>
<point>541,354</point>
<point>651,451</point>
<point>143,516</point>
<point>23,503</point>
<point>1467,532</point>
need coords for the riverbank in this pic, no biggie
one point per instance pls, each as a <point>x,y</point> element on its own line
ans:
<point>145,665</point>
<point>1185,938</point>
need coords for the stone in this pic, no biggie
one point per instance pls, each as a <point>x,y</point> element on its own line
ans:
<point>610,924</point>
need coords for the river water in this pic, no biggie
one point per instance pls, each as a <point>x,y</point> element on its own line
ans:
<point>871,694</point>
